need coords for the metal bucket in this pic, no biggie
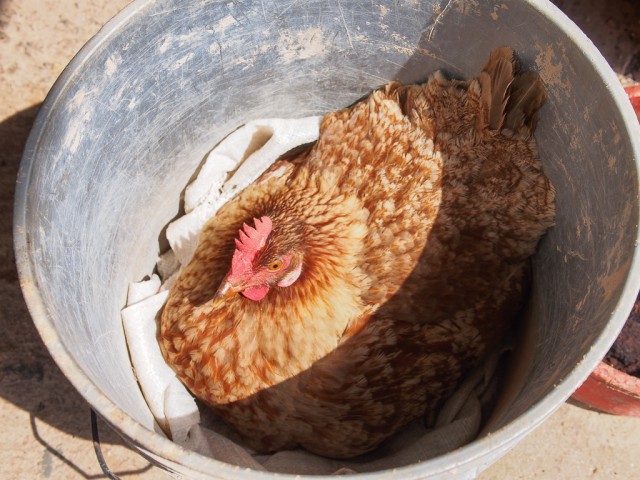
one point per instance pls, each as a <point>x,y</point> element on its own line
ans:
<point>134,113</point>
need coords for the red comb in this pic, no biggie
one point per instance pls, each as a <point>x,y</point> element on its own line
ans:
<point>251,240</point>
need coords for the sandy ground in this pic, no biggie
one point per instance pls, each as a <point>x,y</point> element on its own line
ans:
<point>45,422</point>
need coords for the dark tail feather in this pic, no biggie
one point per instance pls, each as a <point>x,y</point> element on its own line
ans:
<point>495,80</point>
<point>511,99</point>
<point>527,96</point>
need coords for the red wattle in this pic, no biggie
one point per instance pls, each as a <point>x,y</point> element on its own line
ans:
<point>256,293</point>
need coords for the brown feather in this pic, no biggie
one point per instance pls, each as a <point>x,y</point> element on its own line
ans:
<point>527,97</point>
<point>495,80</point>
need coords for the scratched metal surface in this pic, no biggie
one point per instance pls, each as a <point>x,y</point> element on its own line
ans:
<point>133,115</point>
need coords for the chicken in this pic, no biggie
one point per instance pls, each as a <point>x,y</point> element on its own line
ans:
<point>349,289</point>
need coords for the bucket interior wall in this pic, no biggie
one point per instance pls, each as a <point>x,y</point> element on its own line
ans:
<point>135,114</point>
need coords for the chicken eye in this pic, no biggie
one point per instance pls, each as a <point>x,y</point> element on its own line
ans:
<point>277,265</point>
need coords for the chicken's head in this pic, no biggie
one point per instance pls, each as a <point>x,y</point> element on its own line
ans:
<point>259,263</point>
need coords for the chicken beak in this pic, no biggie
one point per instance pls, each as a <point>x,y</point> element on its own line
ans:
<point>225,289</point>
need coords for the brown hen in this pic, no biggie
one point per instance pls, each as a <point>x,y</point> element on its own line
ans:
<point>348,290</point>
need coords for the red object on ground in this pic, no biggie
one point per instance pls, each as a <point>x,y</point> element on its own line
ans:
<point>634,96</point>
<point>608,389</point>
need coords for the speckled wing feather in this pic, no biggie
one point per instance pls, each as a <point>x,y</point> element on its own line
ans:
<point>417,220</point>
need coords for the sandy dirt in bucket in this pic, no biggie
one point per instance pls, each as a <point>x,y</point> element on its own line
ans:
<point>46,427</point>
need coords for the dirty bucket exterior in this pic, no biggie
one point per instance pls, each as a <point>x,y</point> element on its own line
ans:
<point>133,115</point>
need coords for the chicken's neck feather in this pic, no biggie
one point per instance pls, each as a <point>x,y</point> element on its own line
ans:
<point>291,327</point>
